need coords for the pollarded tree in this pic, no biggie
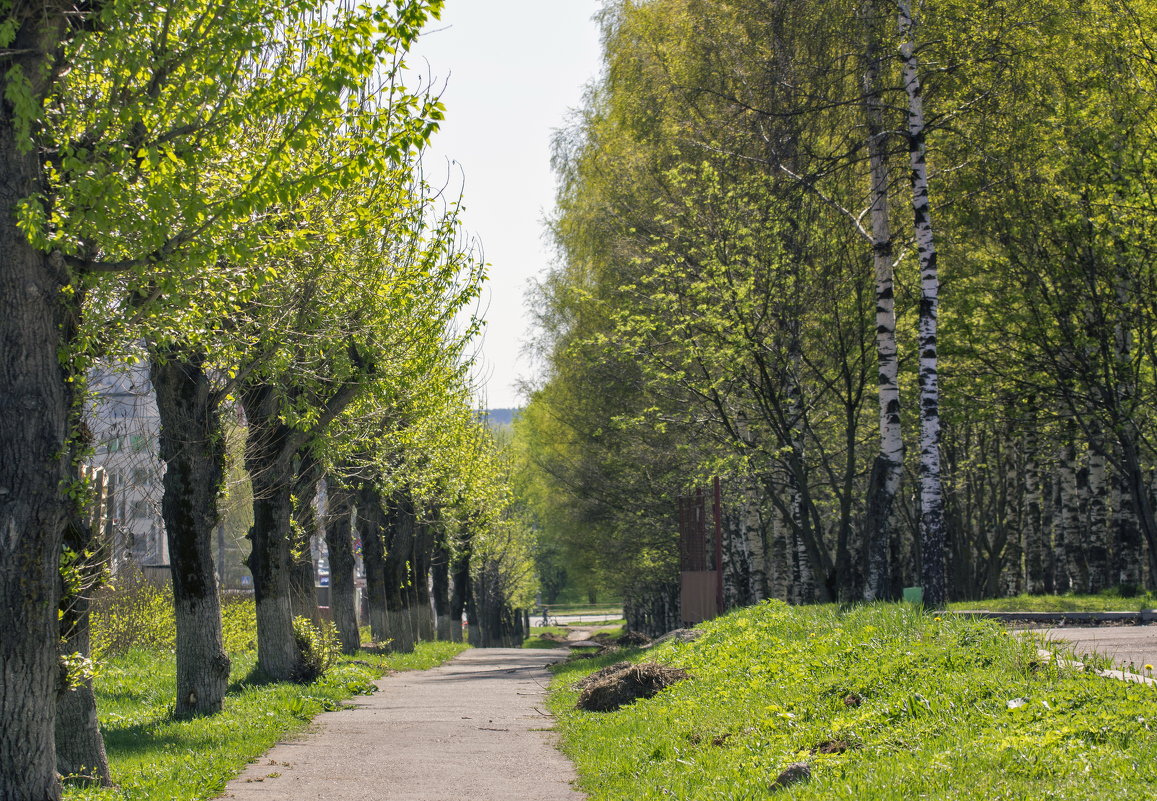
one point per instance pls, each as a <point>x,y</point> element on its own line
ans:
<point>102,136</point>
<point>404,279</point>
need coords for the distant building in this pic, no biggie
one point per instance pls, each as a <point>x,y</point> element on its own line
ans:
<point>123,419</point>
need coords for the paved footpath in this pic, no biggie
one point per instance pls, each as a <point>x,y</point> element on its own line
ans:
<point>1136,645</point>
<point>474,729</point>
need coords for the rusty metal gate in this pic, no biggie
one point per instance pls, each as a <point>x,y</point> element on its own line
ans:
<point>701,555</point>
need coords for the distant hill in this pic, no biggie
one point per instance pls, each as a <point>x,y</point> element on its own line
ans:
<point>496,418</point>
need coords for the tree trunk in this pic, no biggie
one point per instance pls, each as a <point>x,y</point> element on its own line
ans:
<point>888,466</point>
<point>1097,541</point>
<point>35,400</point>
<point>440,575</point>
<point>339,543</point>
<point>399,532</point>
<point>192,445</point>
<point>420,580</point>
<point>1033,521</point>
<point>462,595</point>
<point>1142,503</point>
<point>267,457</point>
<point>932,532</point>
<point>80,749</point>
<point>1127,557</point>
<point>1066,521</point>
<point>303,579</point>
<point>373,560</point>
<point>780,582</point>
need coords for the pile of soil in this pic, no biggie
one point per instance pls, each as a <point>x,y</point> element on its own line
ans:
<point>633,639</point>
<point>620,684</point>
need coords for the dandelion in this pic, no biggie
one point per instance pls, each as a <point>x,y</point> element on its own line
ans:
<point>935,618</point>
<point>1148,667</point>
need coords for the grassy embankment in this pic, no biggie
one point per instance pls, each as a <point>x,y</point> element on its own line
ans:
<point>156,758</point>
<point>884,702</point>
<point>1108,601</point>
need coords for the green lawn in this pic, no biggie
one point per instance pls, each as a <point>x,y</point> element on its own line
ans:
<point>905,705</point>
<point>581,609</point>
<point>152,756</point>
<point>1104,602</point>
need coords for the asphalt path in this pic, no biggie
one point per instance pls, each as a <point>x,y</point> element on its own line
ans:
<point>474,729</point>
<point>1134,646</point>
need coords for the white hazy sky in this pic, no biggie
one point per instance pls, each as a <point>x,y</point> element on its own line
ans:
<point>512,69</point>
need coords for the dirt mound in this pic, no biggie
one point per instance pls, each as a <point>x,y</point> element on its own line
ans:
<point>623,683</point>
<point>601,674</point>
<point>633,639</point>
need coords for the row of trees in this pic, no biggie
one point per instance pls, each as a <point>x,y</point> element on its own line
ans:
<point>886,269</point>
<point>232,191</point>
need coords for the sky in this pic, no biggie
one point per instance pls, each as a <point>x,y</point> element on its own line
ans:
<point>512,71</point>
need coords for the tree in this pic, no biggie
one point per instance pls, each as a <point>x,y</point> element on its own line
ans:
<point>106,143</point>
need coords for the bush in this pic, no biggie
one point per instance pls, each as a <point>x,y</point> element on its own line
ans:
<point>239,623</point>
<point>132,612</point>
<point>319,645</point>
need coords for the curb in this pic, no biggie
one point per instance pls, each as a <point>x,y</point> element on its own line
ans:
<point>1140,618</point>
<point>1120,675</point>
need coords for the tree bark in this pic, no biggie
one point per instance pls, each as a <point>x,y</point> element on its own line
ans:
<point>399,533</point>
<point>420,580</point>
<point>932,530</point>
<point>462,593</point>
<point>440,574</point>
<point>370,528</point>
<point>339,543</point>
<point>35,328</point>
<point>268,459</point>
<point>80,749</point>
<point>303,578</point>
<point>1127,558</point>
<point>888,466</point>
<point>192,445</point>
<point>1033,521</point>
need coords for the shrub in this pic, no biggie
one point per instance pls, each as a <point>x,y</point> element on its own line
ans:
<point>239,623</point>
<point>132,612</point>
<point>319,645</point>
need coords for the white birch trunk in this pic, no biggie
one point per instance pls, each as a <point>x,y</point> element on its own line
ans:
<point>1067,518</point>
<point>887,470</point>
<point>1033,522</point>
<point>779,583</point>
<point>1096,540</point>
<point>804,575</point>
<point>931,491</point>
<point>1127,556</point>
<point>1127,534</point>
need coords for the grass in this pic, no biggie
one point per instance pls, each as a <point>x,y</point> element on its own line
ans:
<point>908,705</point>
<point>1108,601</point>
<point>585,609</point>
<point>154,757</point>
<point>536,639</point>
